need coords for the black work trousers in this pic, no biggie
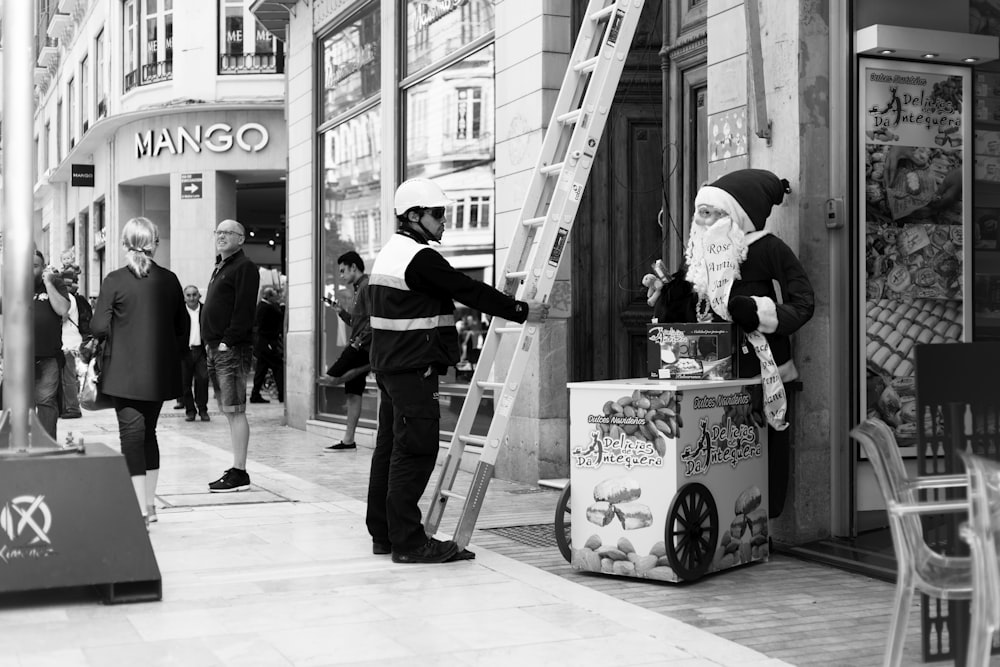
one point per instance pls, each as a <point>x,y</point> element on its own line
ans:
<point>406,449</point>
<point>194,367</point>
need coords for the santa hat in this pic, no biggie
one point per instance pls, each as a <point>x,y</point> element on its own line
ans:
<point>747,195</point>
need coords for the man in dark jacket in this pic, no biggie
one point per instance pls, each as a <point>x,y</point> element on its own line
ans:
<point>267,347</point>
<point>227,329</point>
<point>50,305</point>
<point>194,363</point>
<point>414,340</point>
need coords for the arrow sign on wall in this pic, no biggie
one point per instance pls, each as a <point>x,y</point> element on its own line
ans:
<point>191,186</point>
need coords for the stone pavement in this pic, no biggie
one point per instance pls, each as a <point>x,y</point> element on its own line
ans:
<point>283,575</point>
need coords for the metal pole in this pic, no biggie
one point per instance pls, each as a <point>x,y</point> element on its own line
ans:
<point>18,249</point>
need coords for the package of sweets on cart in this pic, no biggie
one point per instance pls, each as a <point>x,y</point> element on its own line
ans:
<point>691,350</point>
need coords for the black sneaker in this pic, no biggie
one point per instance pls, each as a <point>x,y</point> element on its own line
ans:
<point>205,417</point>
<point>432,551</point>
<point>231,480</point>
<point>340,446</point>
<point>258,399</point>
<point>381,548</point>
<point>189,417</point>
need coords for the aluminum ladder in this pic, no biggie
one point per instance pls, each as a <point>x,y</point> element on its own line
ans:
<point>553,197</point>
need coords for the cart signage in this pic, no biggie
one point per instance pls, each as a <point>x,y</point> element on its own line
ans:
<point>667,483</point>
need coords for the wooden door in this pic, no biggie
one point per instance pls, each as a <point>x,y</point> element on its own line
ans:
<point>615,240</point>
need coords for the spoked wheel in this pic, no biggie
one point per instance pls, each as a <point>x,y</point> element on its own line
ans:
<point>563,527</point>
<point>692,531</point>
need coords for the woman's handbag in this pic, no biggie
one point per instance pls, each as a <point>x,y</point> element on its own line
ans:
<point>91,396</point>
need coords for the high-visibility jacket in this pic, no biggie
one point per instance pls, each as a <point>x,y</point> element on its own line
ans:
<point>411,330</point>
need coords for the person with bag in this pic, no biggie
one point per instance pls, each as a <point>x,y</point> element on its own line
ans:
<point>75,336</point>
<point>140,318</point>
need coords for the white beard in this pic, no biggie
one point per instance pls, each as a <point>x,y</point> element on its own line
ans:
<point>723,231</point>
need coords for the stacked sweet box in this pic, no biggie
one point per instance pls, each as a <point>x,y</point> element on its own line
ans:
<point>896,327</point>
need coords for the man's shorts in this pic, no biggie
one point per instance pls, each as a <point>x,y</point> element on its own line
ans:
<point>350,358</point>
<point>230,370</point>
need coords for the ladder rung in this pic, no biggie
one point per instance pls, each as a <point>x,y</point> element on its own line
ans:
<point>552,168</point>
<point>517,275</point>
<point>507,330</point>
<point>570,116</point>
<point>473,440</point>
<point>483,384</point>
<point>587,65</point>
<point>602,13</point>
<point>533,222</point>
<point>451,494</point>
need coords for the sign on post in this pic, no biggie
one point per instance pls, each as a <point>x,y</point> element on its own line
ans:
<point>191,186</point>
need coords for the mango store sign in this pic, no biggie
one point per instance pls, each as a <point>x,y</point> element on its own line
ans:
<point>218,138</point>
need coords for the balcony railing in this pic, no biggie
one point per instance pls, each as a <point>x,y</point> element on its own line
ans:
<point>152,73</point>
<point>252,63</point>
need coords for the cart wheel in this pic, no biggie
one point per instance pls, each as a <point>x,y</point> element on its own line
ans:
<point>692,531</point>
<point>563,528</point>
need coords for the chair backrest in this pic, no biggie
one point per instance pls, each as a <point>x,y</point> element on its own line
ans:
<point>958,404</point>
<point>984,520</point>
<point>879,444</point>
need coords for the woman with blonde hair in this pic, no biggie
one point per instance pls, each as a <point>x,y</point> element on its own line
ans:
<point>140,317</point>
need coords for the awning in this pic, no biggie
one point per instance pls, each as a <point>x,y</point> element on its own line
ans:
<point>273,15</point>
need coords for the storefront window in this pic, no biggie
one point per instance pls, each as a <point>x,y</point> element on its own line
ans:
<point>245,46</point>
<point>351,177</point>
<point>435,29</point>
<point>351,64</point>
<point>149,36</point>
<point>450,139</point>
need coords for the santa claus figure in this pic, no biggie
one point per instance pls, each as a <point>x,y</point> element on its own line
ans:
<point>731,266</point>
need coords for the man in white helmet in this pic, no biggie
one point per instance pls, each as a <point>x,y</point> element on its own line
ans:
<point>414,340</point>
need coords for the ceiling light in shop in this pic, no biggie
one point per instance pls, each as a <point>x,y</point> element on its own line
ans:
<point>920,44</point>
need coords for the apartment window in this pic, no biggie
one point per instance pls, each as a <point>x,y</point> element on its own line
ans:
<point>100,80</point>
<point>59,131</point>
<point>149,37</point>
<point>85,94</point>
<point>45,146</point>
<point>469,113</point>
<point>71,111</point>
<point>245,46</point>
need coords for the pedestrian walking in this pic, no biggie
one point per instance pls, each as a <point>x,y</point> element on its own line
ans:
<point>352,367</point>
<point>268,347</point>
<point>50,305</point>
<point>140,317</point>
<point>75,336</point>
<point>414,340</point>
<point>227,320</point>
<point>194,362</point>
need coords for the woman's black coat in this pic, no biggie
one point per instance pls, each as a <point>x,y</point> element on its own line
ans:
<point>145,327</point>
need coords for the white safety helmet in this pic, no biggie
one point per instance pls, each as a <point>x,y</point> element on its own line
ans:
<point>421,192</point>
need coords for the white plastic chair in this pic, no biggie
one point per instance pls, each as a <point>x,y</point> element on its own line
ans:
<point>982,532</point>
<point>919,567</point>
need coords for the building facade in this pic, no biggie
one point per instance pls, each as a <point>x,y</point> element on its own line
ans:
<point>169,109</point>
<point>710,86</point>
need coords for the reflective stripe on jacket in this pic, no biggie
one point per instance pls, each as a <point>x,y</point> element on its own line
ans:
<point>410,330</point>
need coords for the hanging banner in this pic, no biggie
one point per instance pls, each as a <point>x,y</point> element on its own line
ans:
<point>915,265</point>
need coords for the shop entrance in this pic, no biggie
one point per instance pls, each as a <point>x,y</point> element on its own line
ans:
<point>260,206</point>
